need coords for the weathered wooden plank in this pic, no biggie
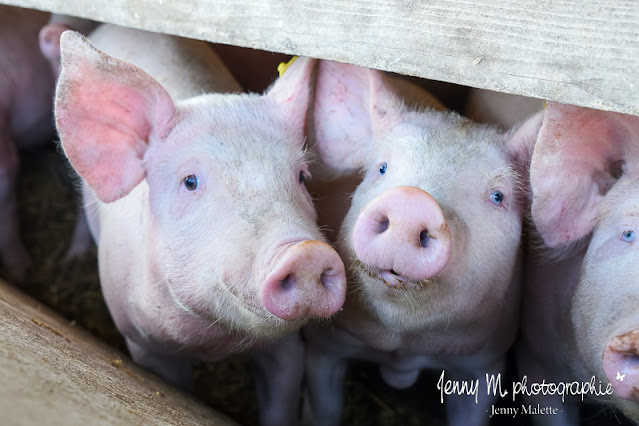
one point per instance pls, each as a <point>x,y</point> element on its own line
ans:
<point>583,52</point>
<point>54,374</point>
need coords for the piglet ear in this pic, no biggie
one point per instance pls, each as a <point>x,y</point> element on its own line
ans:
<point>81,25</point>
<point>291,93</point>
<point>49,39</point>
<point>50,34</point>
<point>106,113</point>
<point>579,155</point>
<point>522,141</point>
<point>353,106</point>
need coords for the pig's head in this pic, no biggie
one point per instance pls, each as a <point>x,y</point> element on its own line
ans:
<point>229,227</point>
<point>585,184</point>
<point>433,232</point>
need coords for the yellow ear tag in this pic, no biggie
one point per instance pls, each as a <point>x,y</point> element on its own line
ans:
<point>282,67</point>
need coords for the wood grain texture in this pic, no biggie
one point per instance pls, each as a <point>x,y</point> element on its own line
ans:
<point>582,52</point>
<point>55,374</point>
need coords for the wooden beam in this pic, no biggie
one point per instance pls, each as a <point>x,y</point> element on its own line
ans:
<point>52,373</point>
<point>582,52</point>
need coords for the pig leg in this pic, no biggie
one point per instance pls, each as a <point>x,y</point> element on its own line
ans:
<point>81,241</point>
<point>536,371</point>
<point>176,370</point>
<point>325,381</point>
<point>463,410</point>
<point>327,351</point>
<point>279,372</point>
<point>14,255</point>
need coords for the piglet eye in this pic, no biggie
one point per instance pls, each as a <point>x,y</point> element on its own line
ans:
<point>303,176</point>
<point>382,168</point>
<point>191,182</point>
<point>628,236</point>
<point>496,197</point>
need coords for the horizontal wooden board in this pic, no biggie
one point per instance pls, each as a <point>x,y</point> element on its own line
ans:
<point>582,52</point>
<point>52,373</point>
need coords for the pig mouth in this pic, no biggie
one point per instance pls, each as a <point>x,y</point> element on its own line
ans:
<point>392,279</point>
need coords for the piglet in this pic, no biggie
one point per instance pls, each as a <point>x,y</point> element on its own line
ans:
<point>580,317</point>
<point>207,238</point>
<point>431,242</point>
<point>26,90</point>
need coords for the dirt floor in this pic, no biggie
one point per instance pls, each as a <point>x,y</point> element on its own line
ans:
<point>47,210</point>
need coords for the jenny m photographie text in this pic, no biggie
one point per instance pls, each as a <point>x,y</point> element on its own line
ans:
<point>494,387</point>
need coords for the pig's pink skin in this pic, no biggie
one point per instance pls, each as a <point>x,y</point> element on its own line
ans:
<point>603,309</point>
<point>26,88</point>
<point>464,318</point>
<point>388,235</point>
<point>306,281</point>
<point>580,315</point>
<point>590,158</point>
<point>621,359</point>
<point>183,271</point>
<point>49,39</point>
<point>332,189</point>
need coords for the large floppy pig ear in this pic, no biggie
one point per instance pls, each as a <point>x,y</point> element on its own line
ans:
<point>579,155</point>
<point>353,106</point>
<point>106,112</point>
<point>291,93</point>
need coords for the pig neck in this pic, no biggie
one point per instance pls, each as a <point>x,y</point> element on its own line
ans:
<point>546,323</point>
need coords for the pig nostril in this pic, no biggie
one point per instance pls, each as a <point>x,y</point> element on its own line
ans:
<point>630,357</point>
<point>327,280</point>
<point>632,360</point>
<point>287,283</point>
<point>423,238</point>
<point>382,225</point>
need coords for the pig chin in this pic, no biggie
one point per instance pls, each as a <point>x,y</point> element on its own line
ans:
<point>401,307</point>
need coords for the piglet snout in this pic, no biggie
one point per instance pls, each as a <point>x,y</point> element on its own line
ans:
<point>403,232</point>
<point>621,364</point>
<point>309,281</point>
